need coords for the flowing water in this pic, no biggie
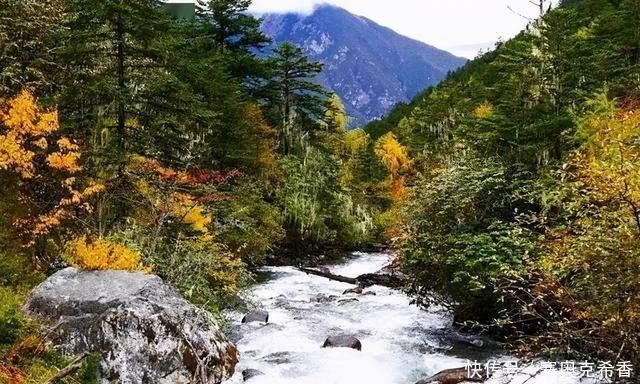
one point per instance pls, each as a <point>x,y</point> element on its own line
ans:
<point>400,342</point>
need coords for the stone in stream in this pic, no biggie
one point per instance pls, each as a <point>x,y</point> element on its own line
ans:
<point>257,316</point>
<point>143,329</point>
<point>455,338</point>
<point>357,290</point>
<point>342,341</point>
<point>278,358</point>
<point>248,374</point>
<point>453,376</point>
<point>322,298</point>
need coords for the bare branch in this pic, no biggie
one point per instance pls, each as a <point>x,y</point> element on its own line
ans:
<point>69,369</point>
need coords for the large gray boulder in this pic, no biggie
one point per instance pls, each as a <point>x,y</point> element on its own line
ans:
<point>143,329</point>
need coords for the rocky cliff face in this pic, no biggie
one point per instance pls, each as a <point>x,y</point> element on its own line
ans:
<point>369,66</point>
<point>144,331</point>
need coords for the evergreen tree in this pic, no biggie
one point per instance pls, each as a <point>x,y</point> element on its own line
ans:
<point>230,27</point>
<point>227,28</point>
<point>118,93</point>
<point>298,102</point>
<point>28,41</point>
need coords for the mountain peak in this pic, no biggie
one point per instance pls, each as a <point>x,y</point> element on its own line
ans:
<point>369,66</point>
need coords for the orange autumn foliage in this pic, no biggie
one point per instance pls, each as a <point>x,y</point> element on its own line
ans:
<point>185,208</point>
<point>102,254</point>
<point>10,375</point>
<point>25,132</point>
<point>23,128</point>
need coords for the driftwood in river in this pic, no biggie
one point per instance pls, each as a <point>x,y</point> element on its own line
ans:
<point>366,280</point>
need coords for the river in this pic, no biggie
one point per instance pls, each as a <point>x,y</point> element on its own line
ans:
<point>401,343</point>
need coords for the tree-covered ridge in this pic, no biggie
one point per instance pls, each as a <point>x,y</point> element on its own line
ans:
<point>132,140</point>
<point>522,214</point>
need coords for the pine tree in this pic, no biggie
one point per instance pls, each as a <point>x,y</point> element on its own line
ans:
<point>226,27</point>
<point>28,39</point>
<point>119,95</point>
<point>295,96</point>
<point>229,26</point>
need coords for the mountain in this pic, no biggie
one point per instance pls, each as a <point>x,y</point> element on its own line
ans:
<point>369,66</point>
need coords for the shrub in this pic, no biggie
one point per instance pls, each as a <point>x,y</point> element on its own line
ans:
<point>246,223</point>
<point>102,254</point>
<point>203,271</point>
<point>462,237</point>
<point>11,320</point>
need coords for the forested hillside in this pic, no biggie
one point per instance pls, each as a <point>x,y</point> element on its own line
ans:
<point>523,212</point>
<point>131,140</point>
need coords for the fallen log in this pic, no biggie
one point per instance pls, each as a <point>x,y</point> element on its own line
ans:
<point>364,281</point>
<point>385,280</point>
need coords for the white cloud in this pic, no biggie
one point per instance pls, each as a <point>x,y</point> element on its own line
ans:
<point>280,6</point>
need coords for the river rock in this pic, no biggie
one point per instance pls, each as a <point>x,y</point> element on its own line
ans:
<point>346,301</point>
<point>456,339</point>
<point>342,341</point>
<point>322,298</point>
<point>452,376</point>
<point>248,374</point>
<point>357,290</point>
<point>143,329</point>
<point>279,358</point>
<point>257,316</point>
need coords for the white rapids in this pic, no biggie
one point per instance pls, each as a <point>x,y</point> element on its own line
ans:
<point>401,343</point>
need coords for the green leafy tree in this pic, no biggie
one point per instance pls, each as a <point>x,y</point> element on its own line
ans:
<point>462,236</point>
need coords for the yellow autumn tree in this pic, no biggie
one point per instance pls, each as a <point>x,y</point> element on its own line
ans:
<point>28,144</point>
<point>395,158</point>
<point>355,141</point>
<point>335,114</point>
<point>592,258</point>
<point>483,111</point>
<point>24,128</point>
<point>392,154</point>
<point>163,189</point>
<point>190,212</point>
<point>264,137</point>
